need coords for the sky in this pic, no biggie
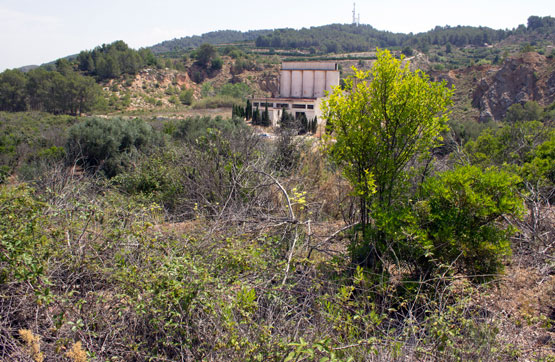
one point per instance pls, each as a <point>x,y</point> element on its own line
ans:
<point>40,31</point>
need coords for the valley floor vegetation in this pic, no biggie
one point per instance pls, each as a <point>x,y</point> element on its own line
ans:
<point>127,239</point>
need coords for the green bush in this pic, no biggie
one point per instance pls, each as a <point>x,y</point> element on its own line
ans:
<point>156,178</point>
<point>186,97</point>
<point>216,102</point>
<point>237,90</point>
<point>216,64</point>
<point>23,243</point>
<point>107,144</point>
<point>458,219</point>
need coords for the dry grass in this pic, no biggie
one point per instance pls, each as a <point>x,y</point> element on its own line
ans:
<point>32,344</point>
<point>77,353</point>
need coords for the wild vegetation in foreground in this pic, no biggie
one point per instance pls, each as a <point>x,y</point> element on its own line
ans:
<point>197,240</point>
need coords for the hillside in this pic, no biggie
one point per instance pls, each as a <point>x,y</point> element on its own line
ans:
<point>339,38</point>
<point>216,38</point>
<point>145,215</point>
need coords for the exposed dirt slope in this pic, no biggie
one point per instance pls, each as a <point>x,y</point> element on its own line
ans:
<point>528,77</point>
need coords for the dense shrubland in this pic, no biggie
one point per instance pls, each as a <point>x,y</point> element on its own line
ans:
<point>196,239</point>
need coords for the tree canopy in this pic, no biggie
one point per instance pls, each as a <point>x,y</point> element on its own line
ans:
<point>65,92</point>
<point>112,60</point>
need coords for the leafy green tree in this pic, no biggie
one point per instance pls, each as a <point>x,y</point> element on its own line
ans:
<point>108,67</point>
<point>63,66</point>
<point>13,95</point>
<point>204,55</point>
<point>57,93</point>
<point>384,119</point>
<point>85,62</point>
<point>216,64</point>
<point>112,60</point>
<point>407,51</point>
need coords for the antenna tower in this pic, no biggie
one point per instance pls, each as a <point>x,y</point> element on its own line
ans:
<point>354,14</point>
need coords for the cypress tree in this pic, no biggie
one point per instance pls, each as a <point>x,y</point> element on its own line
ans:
<point>256,117</point>
<point>314,124</point>
<point>303,123</point>
<point>248,110</point>
<point>265,117</point>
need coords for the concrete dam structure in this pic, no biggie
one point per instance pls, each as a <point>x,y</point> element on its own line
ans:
<point>307,79</point>
<point>302,86</point>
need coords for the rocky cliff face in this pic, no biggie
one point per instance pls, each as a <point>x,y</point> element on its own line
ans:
<point>529,77</point>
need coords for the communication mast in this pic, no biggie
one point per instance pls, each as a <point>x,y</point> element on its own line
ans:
<point>356,20</point>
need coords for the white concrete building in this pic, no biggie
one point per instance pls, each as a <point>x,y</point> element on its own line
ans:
<point>302,86</point>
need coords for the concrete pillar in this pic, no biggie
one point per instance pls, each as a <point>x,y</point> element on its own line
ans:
<point>319,83</point>
<point>285,84</point>
<point>297,84</point>
<point>308,84</point>
<point>329,81</point>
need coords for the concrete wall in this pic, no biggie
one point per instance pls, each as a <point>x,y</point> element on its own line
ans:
<point>309,65</point>
<point>307,83</point>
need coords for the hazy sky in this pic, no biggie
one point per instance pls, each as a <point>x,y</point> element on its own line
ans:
<point>39,31</point>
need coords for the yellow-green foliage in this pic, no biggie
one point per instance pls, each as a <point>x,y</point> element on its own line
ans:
<point>383,119</point>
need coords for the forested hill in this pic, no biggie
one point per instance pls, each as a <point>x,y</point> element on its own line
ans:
<point>214,37</point>
<point>336,38</point>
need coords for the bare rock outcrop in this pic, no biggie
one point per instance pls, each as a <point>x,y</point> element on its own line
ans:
<point>528,77</point>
